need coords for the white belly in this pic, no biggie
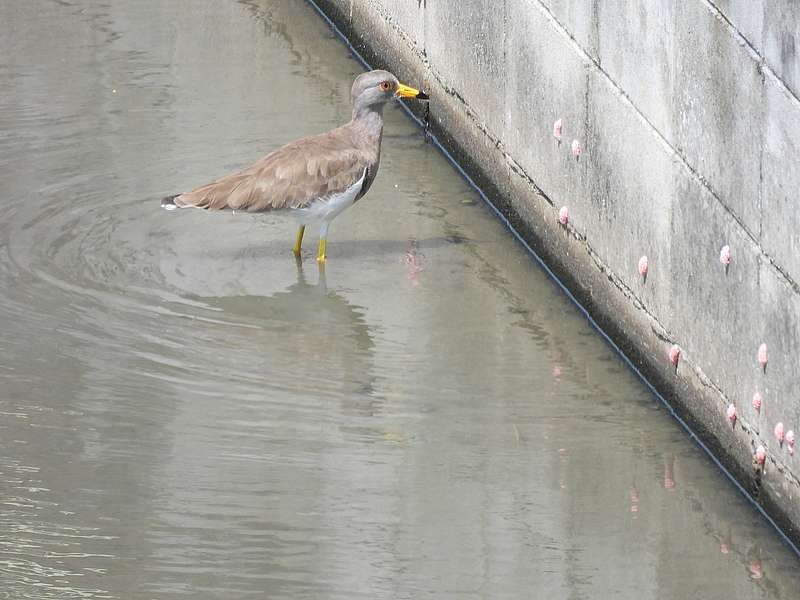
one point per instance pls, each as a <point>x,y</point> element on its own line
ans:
<point>326,209</point>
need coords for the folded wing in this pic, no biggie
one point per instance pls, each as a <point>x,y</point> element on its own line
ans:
<point>291,177</point>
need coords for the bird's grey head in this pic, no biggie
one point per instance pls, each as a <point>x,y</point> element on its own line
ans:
<point>372,90</point>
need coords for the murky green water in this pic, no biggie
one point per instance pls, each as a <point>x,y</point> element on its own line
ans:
<point>184,413</point>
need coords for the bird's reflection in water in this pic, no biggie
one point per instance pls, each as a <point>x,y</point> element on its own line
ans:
<point>304,339</point>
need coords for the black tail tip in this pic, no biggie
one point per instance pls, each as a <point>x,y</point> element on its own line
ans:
<point>169,202</point>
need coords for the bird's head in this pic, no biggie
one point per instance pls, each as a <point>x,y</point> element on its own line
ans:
<point>373,89</point>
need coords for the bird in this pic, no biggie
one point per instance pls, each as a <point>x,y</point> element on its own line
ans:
<point>314,178</point>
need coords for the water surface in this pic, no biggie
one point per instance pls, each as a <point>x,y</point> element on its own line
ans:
<point>185,412</point>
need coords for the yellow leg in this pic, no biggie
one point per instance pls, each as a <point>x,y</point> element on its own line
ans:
<point>298,242</point>
<point>321,254</point>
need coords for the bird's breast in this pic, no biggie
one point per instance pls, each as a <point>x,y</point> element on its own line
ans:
<point>326,208</point>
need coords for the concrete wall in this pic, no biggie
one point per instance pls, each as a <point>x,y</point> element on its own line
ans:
<point>689,118</point>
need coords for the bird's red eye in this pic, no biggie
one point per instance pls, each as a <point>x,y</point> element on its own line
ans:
<point>385,86</point>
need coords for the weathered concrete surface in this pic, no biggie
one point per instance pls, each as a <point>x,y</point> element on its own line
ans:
<point>689,119</point>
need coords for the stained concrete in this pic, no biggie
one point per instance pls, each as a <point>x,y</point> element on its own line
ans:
<point>689,119</point>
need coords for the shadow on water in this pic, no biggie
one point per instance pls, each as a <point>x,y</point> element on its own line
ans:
<point>306,331</point>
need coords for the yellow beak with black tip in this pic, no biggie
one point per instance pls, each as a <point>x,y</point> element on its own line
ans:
<point>404,91</point>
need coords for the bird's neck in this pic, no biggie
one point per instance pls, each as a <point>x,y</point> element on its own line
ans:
<point>369,128</point>
<point>370,119</point>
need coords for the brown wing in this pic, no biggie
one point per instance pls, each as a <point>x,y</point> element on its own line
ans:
<point>290,177</point>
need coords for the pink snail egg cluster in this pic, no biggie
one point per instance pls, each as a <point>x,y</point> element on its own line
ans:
<point>675,354</point>
<point>557,129</point>
<point>643,266</point>
<point>725,255</point>
<point>778,431</point>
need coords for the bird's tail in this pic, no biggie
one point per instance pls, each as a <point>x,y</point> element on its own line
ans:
<point>168,203</point>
